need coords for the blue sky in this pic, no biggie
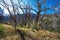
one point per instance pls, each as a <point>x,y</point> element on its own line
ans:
<point>32,3</point>
<point>49,4</point>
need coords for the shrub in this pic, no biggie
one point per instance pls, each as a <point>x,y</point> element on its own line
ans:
<point>2,33</point>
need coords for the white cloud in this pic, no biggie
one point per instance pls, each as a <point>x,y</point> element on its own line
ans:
<point>11,9</point>
<point>6,11</point>
<point>20,11</point>
<point>1,6</point>
<point>7,2</point>
<point>56,8</point>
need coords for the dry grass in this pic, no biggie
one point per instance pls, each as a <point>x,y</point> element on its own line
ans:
<point>36,35</point>
<point>9,29</point>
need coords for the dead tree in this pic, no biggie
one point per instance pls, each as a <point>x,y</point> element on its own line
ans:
<point>13,17</point>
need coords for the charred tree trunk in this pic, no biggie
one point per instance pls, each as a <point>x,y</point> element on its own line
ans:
<point>37,19</point>
<point>21,34</point>
<point>1,17</point>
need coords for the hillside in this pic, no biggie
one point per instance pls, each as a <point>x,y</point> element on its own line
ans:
<point>29,34</point>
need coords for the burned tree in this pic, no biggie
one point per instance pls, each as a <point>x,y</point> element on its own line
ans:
<point>1,15</point>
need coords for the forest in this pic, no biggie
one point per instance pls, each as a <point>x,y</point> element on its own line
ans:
<point>29,19</point>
